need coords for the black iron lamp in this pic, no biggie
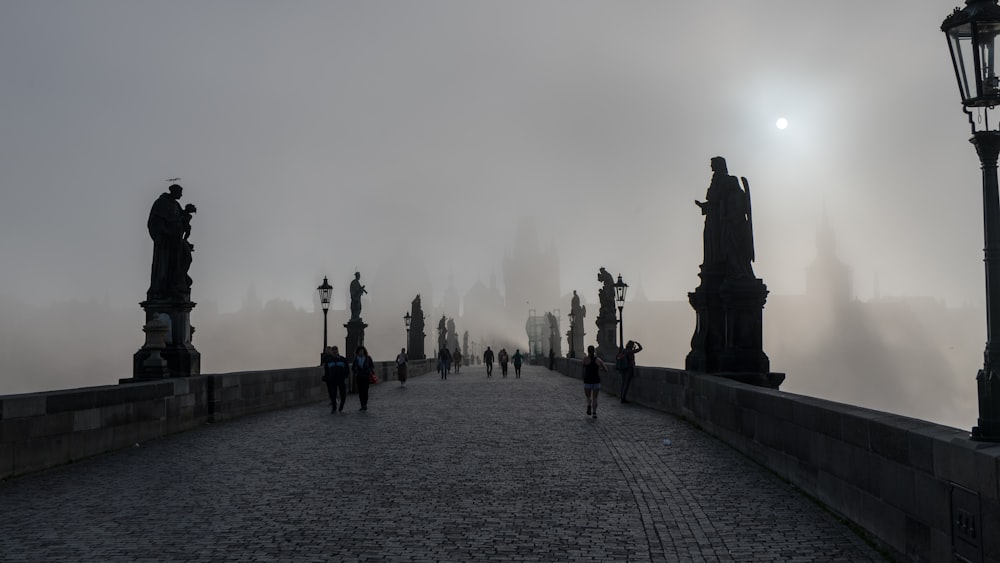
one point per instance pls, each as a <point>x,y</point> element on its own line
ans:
<point>620,289</point>
<point>972,34</point>
<point>325,294</point>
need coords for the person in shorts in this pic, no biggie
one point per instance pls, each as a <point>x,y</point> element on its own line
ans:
<point>592,368</point>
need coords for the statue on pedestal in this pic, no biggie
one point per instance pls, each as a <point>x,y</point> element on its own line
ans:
<point>606,321</point>
<point>417,330</point>
<point>578,313</point>
<point>168,300</point>
<point>729,302</point>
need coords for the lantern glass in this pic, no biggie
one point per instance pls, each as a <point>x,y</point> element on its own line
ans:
<point>620,289</point>
<point>973,46</point>
<point>325,291</point>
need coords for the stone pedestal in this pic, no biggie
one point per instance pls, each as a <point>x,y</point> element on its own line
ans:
<point>707,341</point>
<point>169,320</point>
<point>743,306</point>
<point>708,338</point>
<point>607,339</point>
<point>355,337</point>
<point>577,336</point>
<point>728,337</point>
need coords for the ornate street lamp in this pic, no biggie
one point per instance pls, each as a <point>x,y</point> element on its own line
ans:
<point>325,293</point>
<point>407,319</point>
<point>972,41</point>
<point>620,289</point>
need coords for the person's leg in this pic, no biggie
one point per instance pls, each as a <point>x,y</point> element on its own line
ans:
<point>342,387</point>
<point>626,382</point>
<point>331,390</point>
<point>587,393</point>
<point>594,394</point>
<point>363,383</point>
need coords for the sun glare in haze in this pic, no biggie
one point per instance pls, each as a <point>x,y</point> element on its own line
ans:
<point>781,123</point>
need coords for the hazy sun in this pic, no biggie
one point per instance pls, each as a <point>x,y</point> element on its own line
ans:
<point>782,123</point>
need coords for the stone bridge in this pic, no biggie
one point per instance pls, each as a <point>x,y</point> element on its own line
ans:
<point>253,467</point>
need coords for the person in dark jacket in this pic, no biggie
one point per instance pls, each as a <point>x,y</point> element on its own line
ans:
<point>363,368</point>
<point>335,372</point>
<point>488,360</point>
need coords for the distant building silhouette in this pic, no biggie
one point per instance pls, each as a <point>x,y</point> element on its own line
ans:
<point>827,277</point>
<point>530,275</point>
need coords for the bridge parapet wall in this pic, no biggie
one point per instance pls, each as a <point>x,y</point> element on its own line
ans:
<point>914,486</point>
<point>43,430</point>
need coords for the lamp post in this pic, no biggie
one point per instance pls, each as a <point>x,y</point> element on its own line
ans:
<point>325,292</point>
<point>620,289</point>
<point>972,34</point>
<point>407,319</point>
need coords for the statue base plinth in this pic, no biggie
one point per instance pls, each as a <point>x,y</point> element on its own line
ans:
<point>355,337</point>
<point>607,337</point>
<point>707,340</point>
<point>178,357</point>
<point>728,337</point>
<point>743,306</point>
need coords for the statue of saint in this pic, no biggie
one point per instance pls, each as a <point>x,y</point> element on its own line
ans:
<point>711,209</point>
<point>579,311</point>
<point>606,294</point>
<point>357,290</point>
<point>443,333</point>
<point>170,226</point>
<point>728,235</point>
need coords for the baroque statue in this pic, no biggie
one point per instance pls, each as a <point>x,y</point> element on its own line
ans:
<point>169,226</point>
<point>357,290</point>
<point>728,234</point>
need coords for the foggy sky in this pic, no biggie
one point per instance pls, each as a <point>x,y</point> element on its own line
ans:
<point>317,138</point>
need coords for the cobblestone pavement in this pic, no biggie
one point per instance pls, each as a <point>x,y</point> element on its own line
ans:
<point>468,469</point>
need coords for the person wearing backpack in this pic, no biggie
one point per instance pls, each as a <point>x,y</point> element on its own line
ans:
<point>518,358</point>
<point>335,372</point>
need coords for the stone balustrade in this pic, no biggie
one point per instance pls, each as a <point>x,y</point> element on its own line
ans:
<point>43,430</point>
<point>922,491</point>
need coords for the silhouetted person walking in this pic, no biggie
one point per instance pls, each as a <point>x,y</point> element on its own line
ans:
<point>518,359</point>
<point>592,368</point>
<point>363,368</point>
<point>503,358</point>
<point>488,360</point>
<point>401,360</point>
<point>335,372</point>
<point>444,358</point>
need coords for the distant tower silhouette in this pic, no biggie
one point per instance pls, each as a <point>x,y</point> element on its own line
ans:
<point>530,274</point>
<point>828,278</point>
